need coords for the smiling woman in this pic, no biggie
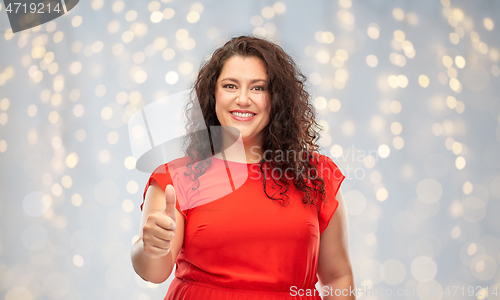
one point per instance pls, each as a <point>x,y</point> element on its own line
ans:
<point>272,235</point>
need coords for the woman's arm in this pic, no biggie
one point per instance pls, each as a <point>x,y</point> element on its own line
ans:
<point>156,270</point>
<point>334,264</point>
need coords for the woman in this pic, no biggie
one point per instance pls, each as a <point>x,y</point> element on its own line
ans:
<point>272,237</point>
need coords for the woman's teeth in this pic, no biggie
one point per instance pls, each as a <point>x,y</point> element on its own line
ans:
<point>243,115</point>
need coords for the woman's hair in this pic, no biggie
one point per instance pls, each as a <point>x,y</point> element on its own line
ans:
<point>289,138</point>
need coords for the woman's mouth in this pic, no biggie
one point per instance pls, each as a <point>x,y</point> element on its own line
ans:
<point>242,116</point>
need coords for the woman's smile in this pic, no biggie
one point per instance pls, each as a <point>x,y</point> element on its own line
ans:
<point>242,115</point>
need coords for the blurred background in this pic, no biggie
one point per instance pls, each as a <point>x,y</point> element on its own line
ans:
<point>407,92</point>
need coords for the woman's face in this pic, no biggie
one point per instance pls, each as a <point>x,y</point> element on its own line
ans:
<point>242,99</point>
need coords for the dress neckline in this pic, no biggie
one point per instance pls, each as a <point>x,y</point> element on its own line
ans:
<point>235,162</point>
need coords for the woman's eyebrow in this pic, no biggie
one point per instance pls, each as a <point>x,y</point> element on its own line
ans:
<point>258,80</point>
<point>236,80</point>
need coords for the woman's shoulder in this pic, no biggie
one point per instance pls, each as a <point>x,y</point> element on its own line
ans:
<point>172,165</point>
<point>326,167</point>
<point>318,158</point>
<point>182,161</point>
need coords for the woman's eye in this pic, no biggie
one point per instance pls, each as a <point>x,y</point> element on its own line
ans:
<point>260,88</point>
<point>230,86</point>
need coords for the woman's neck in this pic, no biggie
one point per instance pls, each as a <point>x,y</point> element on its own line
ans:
<point>248,151</point>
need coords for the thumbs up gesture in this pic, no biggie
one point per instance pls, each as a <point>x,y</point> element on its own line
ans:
<point>159,228</point>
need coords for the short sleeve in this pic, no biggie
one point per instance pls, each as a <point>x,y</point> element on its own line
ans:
<point>163,178</point>
<point>333,177</point>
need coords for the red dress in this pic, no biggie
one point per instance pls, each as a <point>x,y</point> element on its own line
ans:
<point>243,245</point>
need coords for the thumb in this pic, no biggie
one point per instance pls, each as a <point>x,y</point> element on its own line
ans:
<point>170,202</point>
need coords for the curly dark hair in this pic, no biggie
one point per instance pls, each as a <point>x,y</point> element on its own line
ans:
<point>292,127</point>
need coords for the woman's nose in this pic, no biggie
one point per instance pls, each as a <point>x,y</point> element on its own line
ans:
<point>243,99</point>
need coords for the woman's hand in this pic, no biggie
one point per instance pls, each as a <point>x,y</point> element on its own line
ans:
<point>160,226</point>
<point>155,252</point>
